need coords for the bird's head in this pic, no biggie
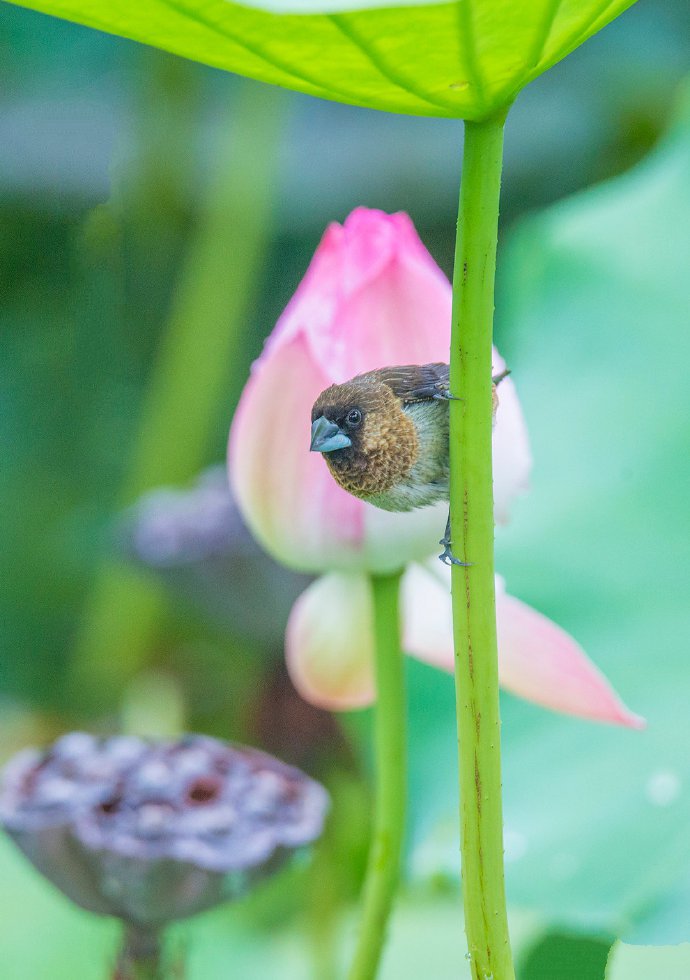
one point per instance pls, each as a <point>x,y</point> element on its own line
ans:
<point>367,440</point>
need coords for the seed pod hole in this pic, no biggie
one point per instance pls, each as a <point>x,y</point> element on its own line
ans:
<point>203,790</point>
<point>111,806</point>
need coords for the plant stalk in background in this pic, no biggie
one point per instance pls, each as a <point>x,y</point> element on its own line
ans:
<point>195,369</point>
<point>472,516</point>
<point>383,866</point>
<point>140,958</point>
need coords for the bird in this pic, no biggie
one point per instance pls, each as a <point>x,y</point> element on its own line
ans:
<point>384,435</point>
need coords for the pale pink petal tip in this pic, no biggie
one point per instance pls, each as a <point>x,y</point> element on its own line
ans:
<point>328,643</point>
<point>541,662</point>
<point>537,660</point>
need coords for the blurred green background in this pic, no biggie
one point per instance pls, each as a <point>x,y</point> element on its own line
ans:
<point>155,217</point>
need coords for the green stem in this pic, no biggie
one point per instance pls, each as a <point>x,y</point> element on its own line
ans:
<point>472,532</point>
<point>195,380</point>
<point>383,868</point>
<point>140,958</point>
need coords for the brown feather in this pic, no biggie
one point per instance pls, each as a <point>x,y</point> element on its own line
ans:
<point>383,450</point>
<point>414,382</point>
<point>398,459</point>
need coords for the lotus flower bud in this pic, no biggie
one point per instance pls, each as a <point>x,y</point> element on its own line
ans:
<point>372,297</point>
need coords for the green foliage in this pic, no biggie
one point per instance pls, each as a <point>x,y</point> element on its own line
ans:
<point>593,305</point>
<point>459,59</point>
<point>60,941</point>
<point>645,962</point>
<point>195,370</point>
<point>559,957</point>
<point>594,317</point>
<point>42,934</point>
<point>423,937</point>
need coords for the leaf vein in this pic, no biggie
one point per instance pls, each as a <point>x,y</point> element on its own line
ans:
<point>465,22</point>
<point>267,56</point>
<point>377,60</point>
<point>542,34</point>
<point>571,42</point>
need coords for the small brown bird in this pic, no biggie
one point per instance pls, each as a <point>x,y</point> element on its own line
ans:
<point>385,437</point>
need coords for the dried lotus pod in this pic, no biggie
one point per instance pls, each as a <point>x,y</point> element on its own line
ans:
<point>195,540</point>
<point>152,831</point>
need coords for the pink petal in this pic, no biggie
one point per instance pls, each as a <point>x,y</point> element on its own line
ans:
<point>541,662</point>
<point>512,459</point>
<point>393,540</point>
<point>537,660</point>
<point>286,494</point>
<point>372,296</point>
<point>428,616</point>
<point>329,643</point>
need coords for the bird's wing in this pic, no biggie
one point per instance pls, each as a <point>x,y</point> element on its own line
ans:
<point>417,382</point>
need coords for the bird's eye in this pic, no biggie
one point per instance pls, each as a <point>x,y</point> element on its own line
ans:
<point>353,418</point>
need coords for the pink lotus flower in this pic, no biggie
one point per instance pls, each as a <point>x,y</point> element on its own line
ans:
<point>330,657</point>
<point>372,296</point>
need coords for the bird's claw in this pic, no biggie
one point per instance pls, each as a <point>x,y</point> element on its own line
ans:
<point>448,558</point>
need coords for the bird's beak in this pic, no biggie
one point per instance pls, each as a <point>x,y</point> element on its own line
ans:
<point>326,436</point>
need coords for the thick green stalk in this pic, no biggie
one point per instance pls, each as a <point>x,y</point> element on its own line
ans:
<point>144,969</point>
<point>140,957</point>
<point>472,533</point>
<point>383,868</point>
<point>197,374</point>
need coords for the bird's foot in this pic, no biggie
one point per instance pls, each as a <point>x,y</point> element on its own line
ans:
<point>448,558</point>
<point>445,396</point>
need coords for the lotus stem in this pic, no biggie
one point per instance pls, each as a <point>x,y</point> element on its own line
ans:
<point>472,535</point>
<point>383,867</point>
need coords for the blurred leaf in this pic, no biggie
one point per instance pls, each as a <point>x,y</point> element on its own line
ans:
<point>426,938</point>
<point>432,59</point>
<point>196,367</point>
<point>42,934</point>
<point>644,962</point>
<point>595,294</point>
<point>56,939</point>
<point>559,957</point>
